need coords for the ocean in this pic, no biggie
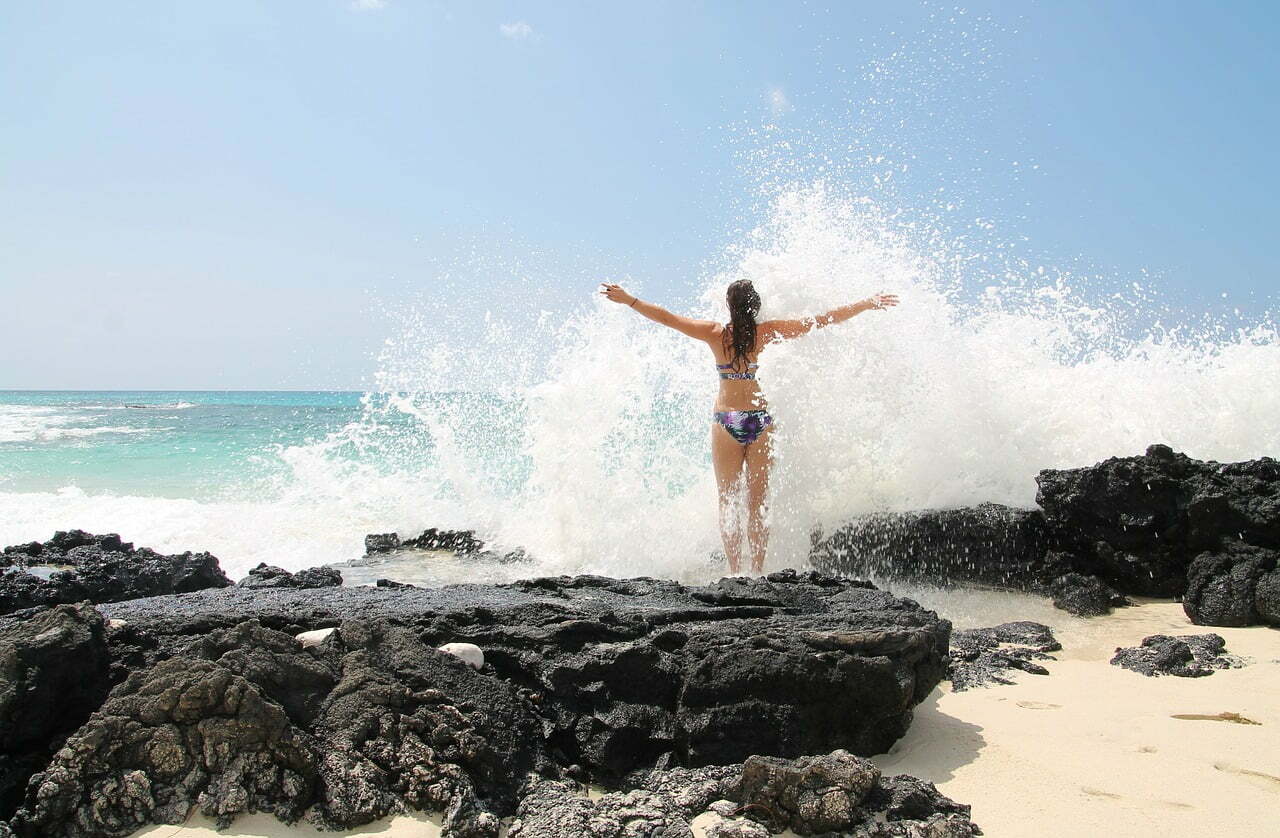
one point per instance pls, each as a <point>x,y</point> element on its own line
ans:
<point>582,438</point>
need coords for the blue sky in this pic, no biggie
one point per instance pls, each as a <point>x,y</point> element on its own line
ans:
<point>227,194</point>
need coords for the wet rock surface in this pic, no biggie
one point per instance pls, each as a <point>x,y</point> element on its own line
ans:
<point>981,657</point>
<point>638,684</point>
<point>75,566</point>
<point>1186,655</point>
<point>989,544</point>
<point>1125,526</point>
<point>268,576</point>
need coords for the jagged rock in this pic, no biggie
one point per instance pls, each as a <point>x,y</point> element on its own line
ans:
<point>225,711</point>
<point>462,542</point>
<point>561,809</point>
<point>1135,522</point>
<point>100,568</point>
<point>936,826</point>
<point>53,674</point>
<point>629,674</point>
<point>692,790</point>
<point>722,826</point>
<point>391,583</point>
<point>811,794</point>
<point>835,794</point>
<point>1085,596</point>
<point>981,656</point>
<point>1132,524</point>
<point>243,719</point>
<point>184,733</point>
<point>1267,598</point>
<point>459,541</point>
<point>904,797</point>
<point>1186,655</point>
<point>989,543</point>
<point>269,576</point>
<point>409,725</point>
<point>385,542</point>
<point>1222,586</point>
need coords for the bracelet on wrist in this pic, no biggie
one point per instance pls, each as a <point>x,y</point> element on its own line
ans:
<point>634,300</point>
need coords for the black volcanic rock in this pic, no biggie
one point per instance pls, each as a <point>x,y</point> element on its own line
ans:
<point>1085,596</point>
<point>99,568</point>
<point>181,733</point>
<point>904,798</point>
<point>1222,586</point>
<point>630,673</point>
<point>832,794</point>
<point>1186,655</point>
<point>982,656</point>
<point>1127,525</point>
<point>269,576</point>
<point>219,706</point>
<point>989,544</point>
<point>1267,597</point>
<point>244,719</point>
<point>462,542</point>
<point>53,674</point>
<point>811,794</point>
<point>383,542</point>
<point>1136,522</point>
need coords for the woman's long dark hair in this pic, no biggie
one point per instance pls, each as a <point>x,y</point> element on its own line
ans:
<point>740,337</point>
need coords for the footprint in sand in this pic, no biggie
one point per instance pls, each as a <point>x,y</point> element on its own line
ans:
<point>1039,705</point>
<point>1092,792</point>
<point>1147,749</point>
<point>1217,717</point>
<point>1261,778</point>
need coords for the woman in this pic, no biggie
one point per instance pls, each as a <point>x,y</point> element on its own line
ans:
<point>741,421</point>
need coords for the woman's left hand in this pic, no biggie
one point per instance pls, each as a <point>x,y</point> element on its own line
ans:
<point>616,293</point>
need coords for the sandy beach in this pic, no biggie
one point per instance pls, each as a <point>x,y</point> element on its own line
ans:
<point>1091,749</point>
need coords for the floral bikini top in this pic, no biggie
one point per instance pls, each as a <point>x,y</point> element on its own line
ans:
<point>749,375</point>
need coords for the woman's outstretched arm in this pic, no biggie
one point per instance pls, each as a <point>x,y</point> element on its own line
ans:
<point>786,329</point>
<point>700,329</point>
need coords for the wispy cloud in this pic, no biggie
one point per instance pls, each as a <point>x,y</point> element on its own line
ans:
<point>778,101</point>
<point>518,31</point>
<point>368,5</point>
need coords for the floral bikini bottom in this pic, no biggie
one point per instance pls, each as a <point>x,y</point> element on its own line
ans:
<point>744,425</point>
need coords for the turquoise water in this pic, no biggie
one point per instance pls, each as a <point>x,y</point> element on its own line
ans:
<point>204,445</point>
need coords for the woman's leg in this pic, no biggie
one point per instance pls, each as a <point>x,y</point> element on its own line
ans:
<point>759,461</point>
<point>727,456</point>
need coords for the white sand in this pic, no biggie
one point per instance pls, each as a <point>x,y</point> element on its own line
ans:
<point>264,826</point>
<point>1089,750</point>
<point>1093,749</point>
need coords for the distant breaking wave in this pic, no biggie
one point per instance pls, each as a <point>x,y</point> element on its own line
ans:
<point>34,423</point>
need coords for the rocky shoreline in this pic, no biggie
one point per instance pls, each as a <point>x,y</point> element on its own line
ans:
<point>1159,525</point>
<point>136,687</point>
<point>209,699</point>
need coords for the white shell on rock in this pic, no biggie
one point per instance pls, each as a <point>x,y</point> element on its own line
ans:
<point>115,624</point>
<point>470,653</point>
<point>313,638</point>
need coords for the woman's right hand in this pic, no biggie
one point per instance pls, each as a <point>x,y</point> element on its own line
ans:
<point>616,293</point>
<point>880,302</point>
